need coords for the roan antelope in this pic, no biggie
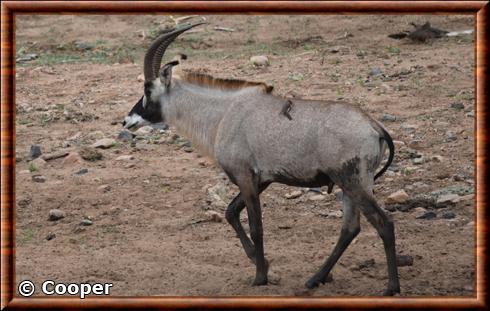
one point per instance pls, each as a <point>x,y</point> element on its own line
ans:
<point>258,138</point>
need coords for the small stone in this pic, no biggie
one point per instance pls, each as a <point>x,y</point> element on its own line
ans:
<point>90,154</point>
<point>141,78</point>
<point>144,131</point>
<point>427,215</point>
<point>409,128</point>
<point>83,46</point>
<point>451,136</point>
<point>104,143</point>
<point>437,158</point>
<point>317,197</point>
<point>125,158</point>
<point>125,136</point>
<point>214,216</point>
<point>129,165</point>
<point>35,152</point>
<point>445,199</point>
<point>388,118</point>
<point>86,222</point>
<point>398,143</point>
<point>404,260</point>
<point>448,215</point>
<point>38,178</point>
<point>96,135</point>
<point>50,236</point>
<point>81,171</point>
<point>416,144</point>
<point>418,161</point>
<point>56,214</point>
<point>39,163</point>
<point>75,137</point>
<point>160,126</point>
<point>188,149</point>
<point>335,214</point>
<point>293,195</point>
<point>399,196</point>
<point>367,264</point>
<point>419,211</point>
<point>390,208</point>
<point>457,106</point>
<point>470,114</point>
<point>72,158</point>
<point>374,72</point>
<point>105,188</point>
<point>260,60</point>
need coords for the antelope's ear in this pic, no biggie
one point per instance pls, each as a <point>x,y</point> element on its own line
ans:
<point>166,73</point>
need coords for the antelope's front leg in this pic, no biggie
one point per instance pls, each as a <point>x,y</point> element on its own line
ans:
<point>251,198</point>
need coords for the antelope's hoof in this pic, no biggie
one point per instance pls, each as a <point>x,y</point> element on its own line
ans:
<point>391,292</point>
<point>259,281</point>
<point>315,282</point>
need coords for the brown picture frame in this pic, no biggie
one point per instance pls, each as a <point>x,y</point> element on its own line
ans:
<point>9,9</point>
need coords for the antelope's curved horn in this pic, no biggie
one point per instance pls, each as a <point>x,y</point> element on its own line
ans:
<point>153,57</point>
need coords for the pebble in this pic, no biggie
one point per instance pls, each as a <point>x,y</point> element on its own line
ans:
<point>260,60</point>
<point>317,197</point>
<point>418,161</point>
<point>335,214</point>
<point>416,144</point>
<point>214,216</point>
<point>125,158</point>
<point>293,195</point>
<point>388,118</point>
<point>50,236</point>
<point>409,128</point>
<point>56,214</point>
<point>447,199</point>
<point>76,136</point>
<point>457,106</point>
<point>399,196</point>
<point>188,149</point>
<point>470,114</point>
<point>451,136</point>
<point>35,152</point>
<point>374,72</point>
<point>398,143</point>
<point>86,222</point>
<point>367,264</point>
<point>38,178</point>
<point>96,135</point>
<point>104,143</point>
<point>81,171</point>
<point>104,188</point>
<point>125,136</point>
<point>404,260</point>
<point>427,215</point>
<point>144,131</point>
<point>90,154</point>
<point>448,215</point>
<point>72,158</point>
<point>39,163</point>
<point>437,158</point>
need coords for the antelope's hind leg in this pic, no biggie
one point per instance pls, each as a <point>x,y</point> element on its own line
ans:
<point>386,230</point>
<point>350,229</point>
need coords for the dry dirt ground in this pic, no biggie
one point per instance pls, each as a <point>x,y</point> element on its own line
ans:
<point>150,233</point>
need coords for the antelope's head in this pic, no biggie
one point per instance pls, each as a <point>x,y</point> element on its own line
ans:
<point>148,109</point>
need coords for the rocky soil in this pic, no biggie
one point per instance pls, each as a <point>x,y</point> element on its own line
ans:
<point>145,210</point>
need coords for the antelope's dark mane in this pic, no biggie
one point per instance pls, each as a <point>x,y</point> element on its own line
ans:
<point>206,80</point>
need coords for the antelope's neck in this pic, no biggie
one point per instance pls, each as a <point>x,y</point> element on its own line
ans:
<point>197,112</point>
